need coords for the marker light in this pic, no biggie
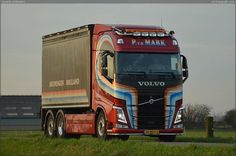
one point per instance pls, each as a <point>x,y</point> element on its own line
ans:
<point>137,34</point>
<point>174,42</point>
<point>144,34</point>
<point>120,41</point>
<point>152,34</point>
<point>160,34</point>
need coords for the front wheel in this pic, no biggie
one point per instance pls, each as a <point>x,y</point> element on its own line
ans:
<point>167,138</point>
<point>101,129</point>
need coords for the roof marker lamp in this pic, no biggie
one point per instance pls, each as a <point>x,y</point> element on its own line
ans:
<point>120,41</point>
<point>136,34</point>
<point>174,42</point>
<point>152,34</point>
<point>160,34</point>
<point>145,34</point>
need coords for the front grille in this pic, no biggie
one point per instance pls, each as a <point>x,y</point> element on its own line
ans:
<point>151,112</point>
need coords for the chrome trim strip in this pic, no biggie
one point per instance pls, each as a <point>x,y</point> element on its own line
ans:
<point>151,101</point>
<point>69,106</point>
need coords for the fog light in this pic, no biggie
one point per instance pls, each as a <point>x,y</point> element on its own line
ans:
<point>179,126</point>
<point>121,126</point>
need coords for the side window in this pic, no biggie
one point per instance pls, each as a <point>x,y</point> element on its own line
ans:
<point>100,62</point>
<point>110,67</point>
<point>107,65</point>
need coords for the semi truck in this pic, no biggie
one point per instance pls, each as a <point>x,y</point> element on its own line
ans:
<point>112,81</point>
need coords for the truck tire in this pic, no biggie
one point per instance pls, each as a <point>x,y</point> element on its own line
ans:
<point>167,138</point>
<point>60,124</point>
<point>50,124</point>
<point>101,130</point>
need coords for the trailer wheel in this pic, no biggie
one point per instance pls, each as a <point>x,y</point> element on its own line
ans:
<point>60,124</point>
<point>101,130</point>
<point>50,126</point>
<point>167,138</point>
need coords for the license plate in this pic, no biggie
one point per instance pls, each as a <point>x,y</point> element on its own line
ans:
<point>151,132</point>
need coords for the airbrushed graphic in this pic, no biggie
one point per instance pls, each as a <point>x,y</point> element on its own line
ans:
<point>51,98</point>
<point>172,95</point>
<point>116,90</point>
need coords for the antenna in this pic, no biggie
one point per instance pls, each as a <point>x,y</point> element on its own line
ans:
<point>161,23</point>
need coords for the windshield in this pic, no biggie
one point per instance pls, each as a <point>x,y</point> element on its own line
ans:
<point>147,63</point>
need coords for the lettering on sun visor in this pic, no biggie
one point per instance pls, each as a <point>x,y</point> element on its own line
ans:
<point>148,42</point>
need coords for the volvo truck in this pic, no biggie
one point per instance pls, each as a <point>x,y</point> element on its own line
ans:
<point>112,80</point>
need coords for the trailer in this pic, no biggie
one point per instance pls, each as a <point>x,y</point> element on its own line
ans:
<point>112,80</point>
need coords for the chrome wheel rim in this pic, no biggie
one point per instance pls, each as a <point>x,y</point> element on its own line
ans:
<point>101,127</point>
<point>60,126</point>
<point>50,127</point>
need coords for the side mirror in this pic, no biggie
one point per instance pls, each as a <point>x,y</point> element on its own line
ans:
<point>184,68</point>
<point>185,73</point>
<point>184,62</point>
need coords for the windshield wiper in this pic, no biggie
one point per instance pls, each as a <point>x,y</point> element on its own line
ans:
<point>135,72</point>
<point>165,73</point>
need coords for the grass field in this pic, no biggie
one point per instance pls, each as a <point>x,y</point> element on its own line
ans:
<point>34,143</point>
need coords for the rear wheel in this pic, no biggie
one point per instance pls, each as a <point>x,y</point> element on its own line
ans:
<point>101,129</point>
<point>50,126</point>
<point>167,138</point>
<point>60,124</point>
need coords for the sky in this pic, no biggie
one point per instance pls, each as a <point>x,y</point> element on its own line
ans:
<point>205,32</point>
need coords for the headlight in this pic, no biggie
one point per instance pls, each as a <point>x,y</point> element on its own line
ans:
<point>178,117</point>
<point>120,114</point>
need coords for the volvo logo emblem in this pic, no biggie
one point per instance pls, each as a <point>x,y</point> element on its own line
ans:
<point>151,101</point>
<point>151,83</point>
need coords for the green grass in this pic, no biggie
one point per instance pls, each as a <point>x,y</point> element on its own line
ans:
<point>34,143</point>
<point>220,136</point>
